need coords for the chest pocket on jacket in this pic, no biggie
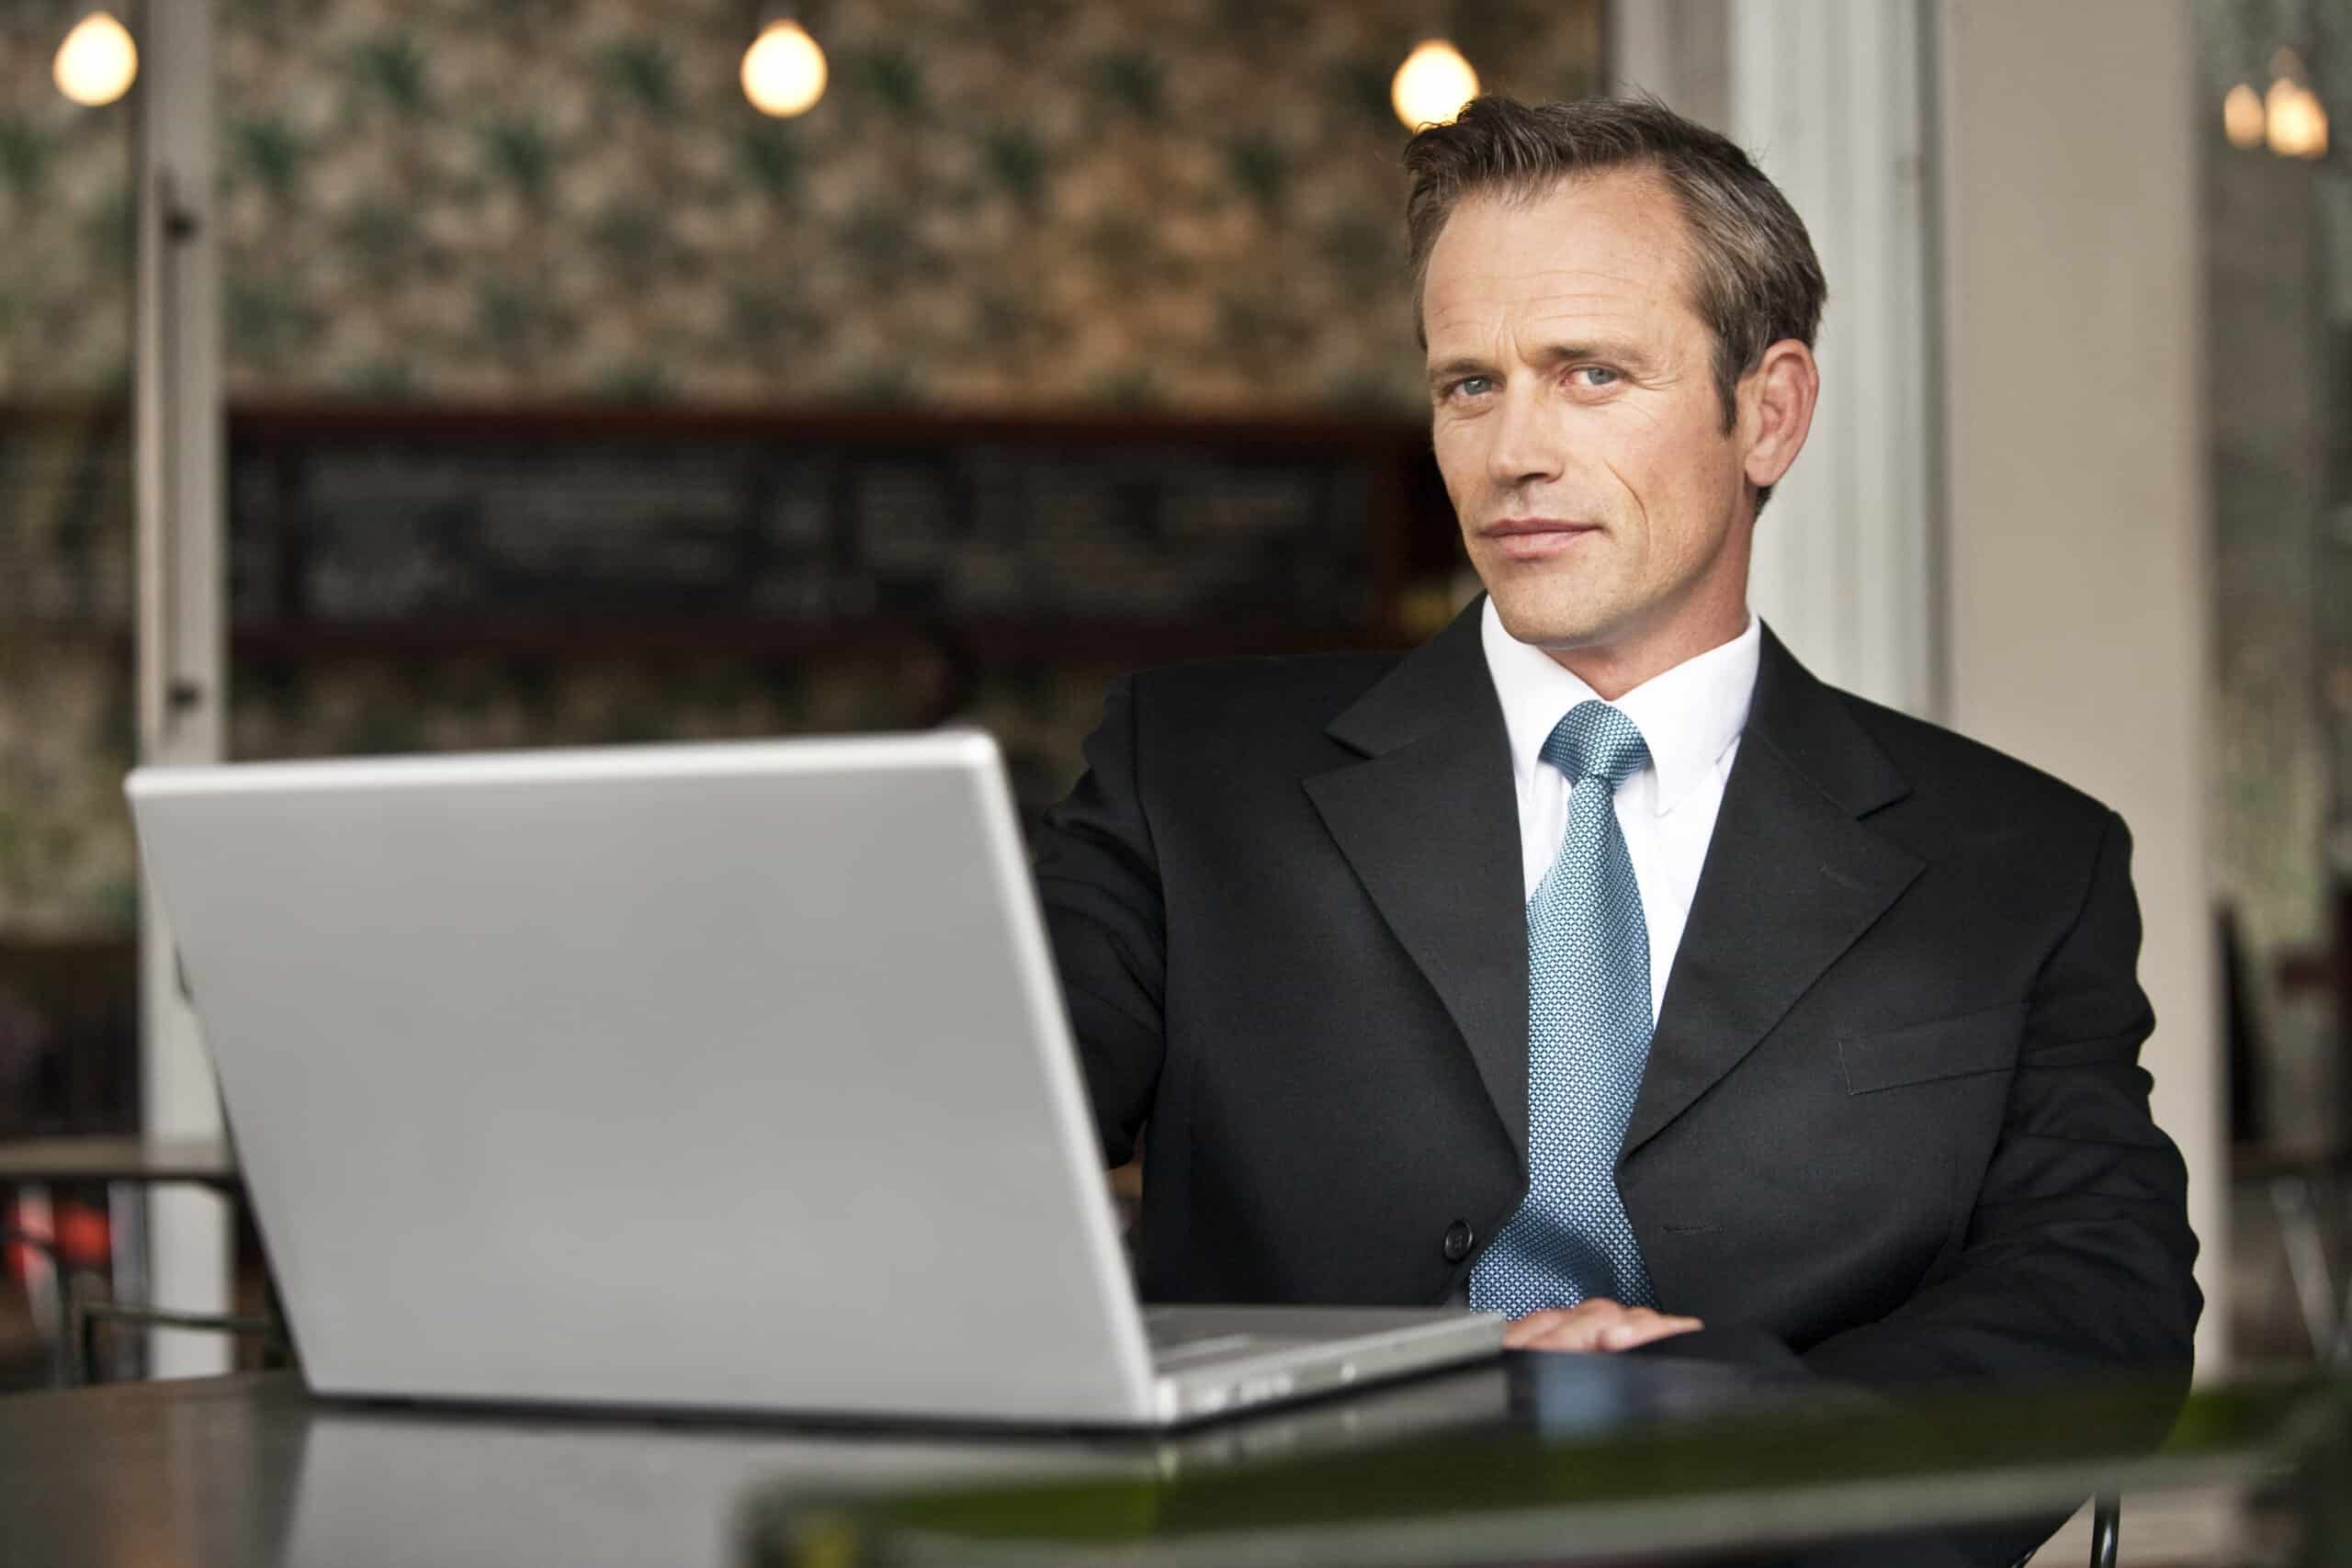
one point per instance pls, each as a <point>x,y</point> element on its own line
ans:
<point>1958,1047</point>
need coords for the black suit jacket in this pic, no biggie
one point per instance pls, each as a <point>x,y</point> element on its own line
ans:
<point>1892,1116</point>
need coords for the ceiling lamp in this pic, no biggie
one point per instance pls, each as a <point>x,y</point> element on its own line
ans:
<point>783,71</point>
<point>1432,85</point>
<point>98,61</point>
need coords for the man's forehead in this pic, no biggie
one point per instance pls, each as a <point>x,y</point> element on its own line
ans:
<point>1589,246</point>
<point>1544,294</point>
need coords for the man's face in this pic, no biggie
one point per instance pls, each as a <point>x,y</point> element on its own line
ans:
<point>1578,425</point>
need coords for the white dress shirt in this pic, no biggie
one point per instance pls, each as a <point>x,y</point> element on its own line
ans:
<point>1691,717</point>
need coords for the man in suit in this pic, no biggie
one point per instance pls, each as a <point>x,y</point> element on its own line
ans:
<point>1593,961</point>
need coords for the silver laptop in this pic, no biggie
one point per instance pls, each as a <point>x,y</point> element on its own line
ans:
<point>729,1077</point>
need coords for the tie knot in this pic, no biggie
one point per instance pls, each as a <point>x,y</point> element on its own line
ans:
<point>1596,742</point>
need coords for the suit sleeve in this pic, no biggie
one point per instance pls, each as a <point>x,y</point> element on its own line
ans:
<point>2076,1257</point>
<point>1098,878</point>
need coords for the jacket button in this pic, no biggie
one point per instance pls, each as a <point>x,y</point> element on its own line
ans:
<point>1459,1237</point>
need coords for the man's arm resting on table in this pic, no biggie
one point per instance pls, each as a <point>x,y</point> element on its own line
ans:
<point>2076,1260</point>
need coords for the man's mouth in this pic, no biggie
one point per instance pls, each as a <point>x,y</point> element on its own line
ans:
<point>1533,538</point>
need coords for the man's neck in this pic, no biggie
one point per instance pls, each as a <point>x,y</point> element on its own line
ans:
<point>1614,668</point>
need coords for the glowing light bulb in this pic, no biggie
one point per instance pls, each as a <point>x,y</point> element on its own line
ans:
<point>1432,85</point>
<point>98,61</point>
<point>2296,124</point>
<point>783,71</point>
<point>2242,119</point>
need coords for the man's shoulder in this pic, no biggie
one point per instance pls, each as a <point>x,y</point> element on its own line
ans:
<point>1278,690</point>
<point>1968,777</point>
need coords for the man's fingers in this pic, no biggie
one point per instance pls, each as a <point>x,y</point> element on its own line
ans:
<point>1563,1336</point>
<point>1595,1324</point>
<point>1641,1330</point>
<point>1559,1324</point>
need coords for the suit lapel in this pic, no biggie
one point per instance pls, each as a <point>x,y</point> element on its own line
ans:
<point>1430,823</point>
<point>1793,879</point>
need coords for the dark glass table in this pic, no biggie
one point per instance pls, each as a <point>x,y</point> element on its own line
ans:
<point>1576,1472</point>
<point>1537,1458</point>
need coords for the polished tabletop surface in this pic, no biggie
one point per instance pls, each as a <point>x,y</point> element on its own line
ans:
<point>251,1469</point>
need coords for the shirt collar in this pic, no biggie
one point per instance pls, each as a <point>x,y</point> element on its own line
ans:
<point>1689,716</point>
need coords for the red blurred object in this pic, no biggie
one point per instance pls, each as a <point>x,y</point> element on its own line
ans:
<point>80,1234</point>
<point>84,1238</point>
<point>18,1220</point>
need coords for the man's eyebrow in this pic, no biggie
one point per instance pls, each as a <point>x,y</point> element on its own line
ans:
<point>1458,367</point>
<point>1624,355</point>
<point>1616,351</point>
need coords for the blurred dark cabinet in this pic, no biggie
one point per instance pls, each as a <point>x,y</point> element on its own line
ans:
<point>1113,540</point>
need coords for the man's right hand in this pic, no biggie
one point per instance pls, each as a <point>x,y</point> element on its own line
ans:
<point>1597,1325</point>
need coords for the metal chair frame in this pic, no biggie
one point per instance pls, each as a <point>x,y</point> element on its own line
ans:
<point>87,1317</point>
<point>2107,1527</point>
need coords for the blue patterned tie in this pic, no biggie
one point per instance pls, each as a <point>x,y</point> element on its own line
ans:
<point>1587,1037</point>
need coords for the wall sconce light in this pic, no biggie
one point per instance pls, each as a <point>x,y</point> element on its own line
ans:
<point>1432,85</point>
<point>98,61</point>
<point>2243,116</point>
<point>2289,117</point>
<point>2294,121</point>
<point>783,71</point>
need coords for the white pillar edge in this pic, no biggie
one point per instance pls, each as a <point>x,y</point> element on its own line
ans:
<point>181,659</point>
<point>1825,95</point>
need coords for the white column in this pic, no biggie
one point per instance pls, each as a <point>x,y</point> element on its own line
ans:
<point>1825,96</point>
<point>2077,591</point>
<point>182,661</point>
<point>1675,50</point>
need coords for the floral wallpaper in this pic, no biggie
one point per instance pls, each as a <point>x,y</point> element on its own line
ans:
<point>67,867</point>
<point>66,864</point>
<point>1154,205</point>
<point>998,202</point>
<point>66,209</point>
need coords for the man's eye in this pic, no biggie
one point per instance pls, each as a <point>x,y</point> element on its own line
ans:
<point>1473,386</point>
<point>1597,375</point>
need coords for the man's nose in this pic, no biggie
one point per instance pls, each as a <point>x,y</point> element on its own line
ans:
<point>1526,446</point>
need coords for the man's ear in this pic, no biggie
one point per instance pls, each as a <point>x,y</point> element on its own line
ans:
<point>1776,402</point>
